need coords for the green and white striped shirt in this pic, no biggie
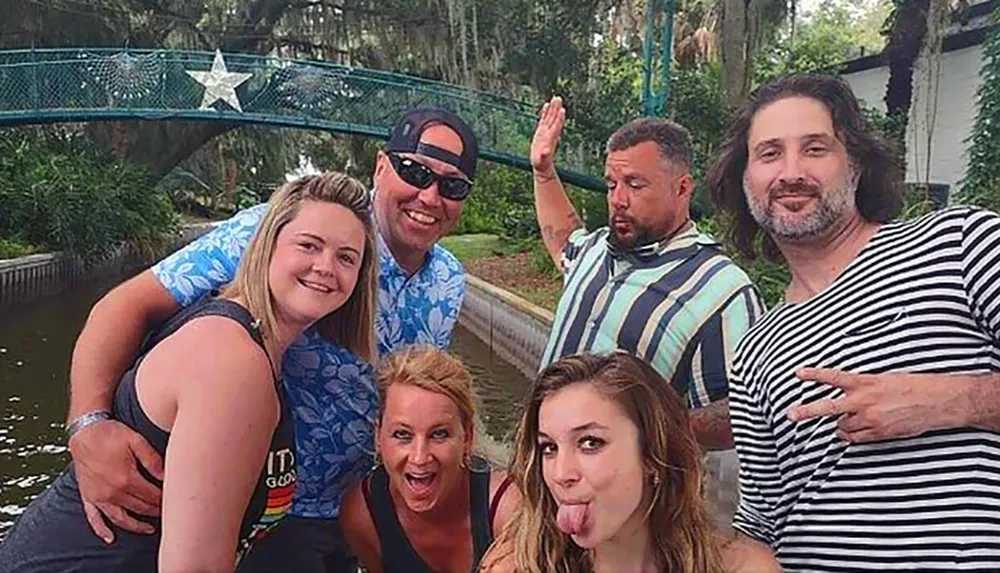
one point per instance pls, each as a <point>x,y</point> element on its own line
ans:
<point>680,304</point>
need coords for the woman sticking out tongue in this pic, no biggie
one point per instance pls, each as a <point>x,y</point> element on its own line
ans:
<point>571,517</point>
<point>611,477</point>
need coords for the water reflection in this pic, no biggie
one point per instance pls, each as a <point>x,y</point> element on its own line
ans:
<point>35,344</point>
<point>36,341</point>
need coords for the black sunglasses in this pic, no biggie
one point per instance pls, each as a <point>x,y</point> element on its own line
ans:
<point>421,177</point>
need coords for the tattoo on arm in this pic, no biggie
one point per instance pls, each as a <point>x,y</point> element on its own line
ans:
<point>711,425</point>
<point>558,236</point>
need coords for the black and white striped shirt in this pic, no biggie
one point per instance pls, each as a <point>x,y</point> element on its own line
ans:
<point>922,297</point>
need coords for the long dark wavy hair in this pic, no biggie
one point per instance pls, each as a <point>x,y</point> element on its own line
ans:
<point>879,196</point>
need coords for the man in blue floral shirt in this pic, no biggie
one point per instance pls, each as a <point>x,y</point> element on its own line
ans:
<point>421,180</point>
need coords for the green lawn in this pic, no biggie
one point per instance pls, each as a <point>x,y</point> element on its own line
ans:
<point>469,248</point>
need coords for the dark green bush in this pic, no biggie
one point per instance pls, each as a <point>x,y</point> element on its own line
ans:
<point>496,189</point>
<point>57,192</point>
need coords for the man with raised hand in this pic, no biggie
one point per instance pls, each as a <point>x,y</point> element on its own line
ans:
<point>650,282</point>
<point>421,180</point>
<point>866,406</point>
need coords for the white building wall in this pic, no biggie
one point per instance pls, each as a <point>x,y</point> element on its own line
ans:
<point>956,112</point>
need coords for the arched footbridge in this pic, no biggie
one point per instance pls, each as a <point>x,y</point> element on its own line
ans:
<point>99,84</point>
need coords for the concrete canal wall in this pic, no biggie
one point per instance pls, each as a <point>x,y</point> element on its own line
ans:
<point>515,329</point>
<point>27,278</point>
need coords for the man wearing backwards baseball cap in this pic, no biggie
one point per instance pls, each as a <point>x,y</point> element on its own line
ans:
<point>421,180</point>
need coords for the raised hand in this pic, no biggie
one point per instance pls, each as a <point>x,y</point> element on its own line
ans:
<point>104,460</point>
<point>546,139</point>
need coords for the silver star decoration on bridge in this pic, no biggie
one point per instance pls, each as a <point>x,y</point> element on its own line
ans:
<point>220,84</point>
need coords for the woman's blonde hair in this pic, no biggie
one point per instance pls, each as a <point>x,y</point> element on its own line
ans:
<point>351,325</point>
<point>433,370</point>
<point>684,539</point>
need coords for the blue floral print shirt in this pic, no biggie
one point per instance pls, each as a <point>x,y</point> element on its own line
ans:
<point>332,391</point>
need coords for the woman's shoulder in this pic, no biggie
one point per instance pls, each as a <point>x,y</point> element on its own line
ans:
<point>213,337</point>
<point>207,362</point>
<point>359,527</point>
<point>211,348</point>
<point>505,499</point>
<point>503,564</point>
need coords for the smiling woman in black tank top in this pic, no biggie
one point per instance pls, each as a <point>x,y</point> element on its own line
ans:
<point>430,506</point>
<point>205,394</point>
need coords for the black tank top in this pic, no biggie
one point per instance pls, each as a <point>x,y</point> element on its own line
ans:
<point>398,555</point>
<point>53,534</point>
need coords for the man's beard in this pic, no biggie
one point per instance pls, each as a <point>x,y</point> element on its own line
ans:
<point>833,205</point>
<point>639,237</point>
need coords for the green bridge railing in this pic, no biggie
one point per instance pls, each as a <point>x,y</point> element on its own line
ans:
<point>98,84</point>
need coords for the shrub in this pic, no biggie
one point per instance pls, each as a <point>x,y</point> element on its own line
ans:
<point>59,193</point>
<point>12,249</point>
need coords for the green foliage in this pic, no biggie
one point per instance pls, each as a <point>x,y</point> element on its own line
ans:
<point>981,184</point>
<point>545,39</point>
<point>886,126</point>
<point>60,194</point>
<point>468,248</point>
<point>697,102</point>
<point>541,261</point>
<point>600,102</point>
<point>10,249</point>
<point>501,203</point>
<point>834,33</point>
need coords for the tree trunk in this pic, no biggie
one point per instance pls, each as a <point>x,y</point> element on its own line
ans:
<point>906,36</point>
<point>735,33</point>
<point>157,145</point>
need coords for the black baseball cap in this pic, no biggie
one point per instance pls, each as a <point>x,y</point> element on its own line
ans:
<point>405,138</point>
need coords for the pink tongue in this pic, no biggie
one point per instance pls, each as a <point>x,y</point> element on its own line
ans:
<point>571,517</point>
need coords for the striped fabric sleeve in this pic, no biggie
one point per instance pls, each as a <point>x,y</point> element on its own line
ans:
<point>703,372</point>
<point>758,471</point>
<point>575,245</point>
<point>981,267</point>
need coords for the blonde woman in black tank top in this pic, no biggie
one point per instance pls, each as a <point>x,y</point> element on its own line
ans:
<point>430,505</point>
<point>205,393</point>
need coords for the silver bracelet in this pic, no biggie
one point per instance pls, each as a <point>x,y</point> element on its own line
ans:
<point>85,420</point>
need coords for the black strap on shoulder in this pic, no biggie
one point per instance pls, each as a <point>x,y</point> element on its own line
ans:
<point>210,306</point>
<point>479,506</point>
<point>398,555</point>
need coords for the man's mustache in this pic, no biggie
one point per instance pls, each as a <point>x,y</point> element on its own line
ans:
<point>617,218</point>
<point>800,189</point>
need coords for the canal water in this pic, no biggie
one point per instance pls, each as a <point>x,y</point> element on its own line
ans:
<point>36,340</point>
